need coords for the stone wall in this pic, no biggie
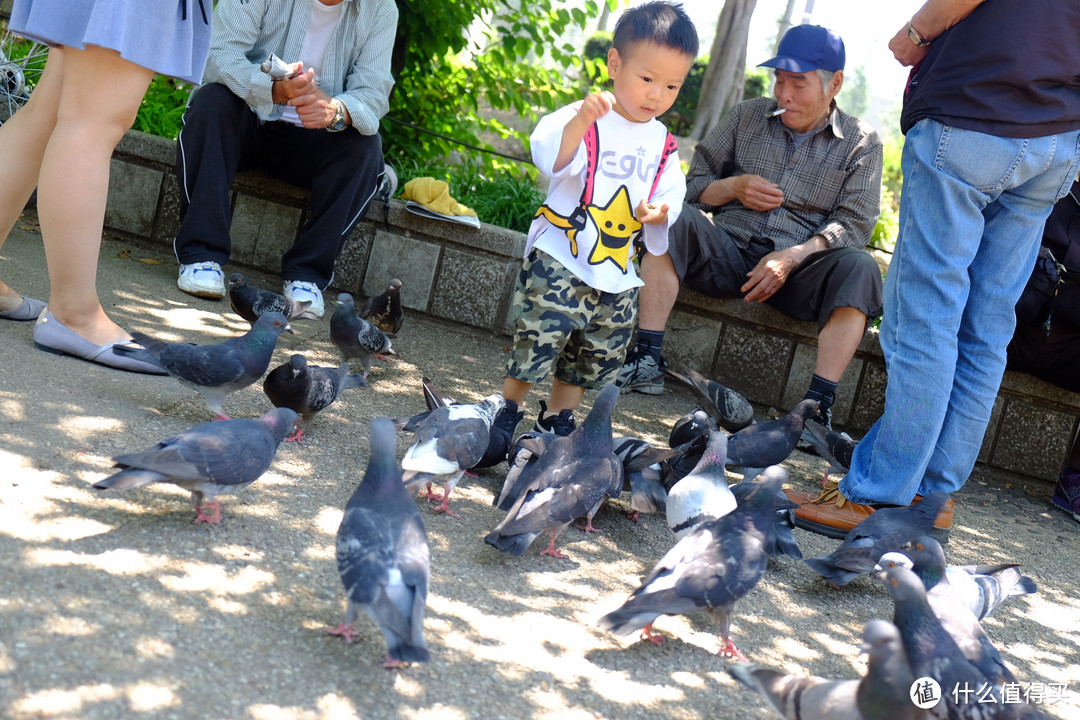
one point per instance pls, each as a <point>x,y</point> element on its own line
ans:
<point>466,275</point>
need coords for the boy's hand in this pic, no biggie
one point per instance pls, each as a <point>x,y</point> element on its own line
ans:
<point>595,106</point>
<point>649,214</point>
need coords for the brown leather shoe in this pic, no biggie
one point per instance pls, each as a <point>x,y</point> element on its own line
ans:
<point>831,514</point>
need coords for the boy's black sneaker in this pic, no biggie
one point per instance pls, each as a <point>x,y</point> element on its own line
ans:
<point>501,436</point>
<point>561,424</point>
<point>641,372</point>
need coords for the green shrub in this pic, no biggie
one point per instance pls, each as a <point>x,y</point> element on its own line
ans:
<point>162,109</point>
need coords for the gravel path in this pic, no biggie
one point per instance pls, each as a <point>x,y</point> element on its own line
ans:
<point>114,605</point>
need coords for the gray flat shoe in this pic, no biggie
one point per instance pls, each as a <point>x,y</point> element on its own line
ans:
<point>29,310</point>
<point>53,336</point>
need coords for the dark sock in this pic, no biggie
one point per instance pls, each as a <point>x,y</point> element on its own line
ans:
<point>649,342</point>
<point>822,390</point>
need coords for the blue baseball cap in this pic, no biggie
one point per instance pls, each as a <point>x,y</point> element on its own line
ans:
<point>805,48</point>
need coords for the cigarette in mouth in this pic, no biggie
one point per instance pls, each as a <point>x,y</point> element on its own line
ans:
<point>778,111</point>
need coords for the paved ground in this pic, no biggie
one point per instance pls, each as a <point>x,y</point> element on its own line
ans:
<point>114,605</point>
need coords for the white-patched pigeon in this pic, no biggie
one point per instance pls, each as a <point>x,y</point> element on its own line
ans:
<point>448,442</point>
<point>219,369</point>
<point>308,389</point>
<point>883,530</point>
<point>728,408</point>
<point>383,555</point>
<point>574,475</point>
<point>768,442</point>
<point>249,302</point>
<point>211,459</point>
<point>385,310</point>
<point>710,569</point>
<point>355,337</point>
<point>703,494</point>
<point>433,397</point>
<point>882,694</point>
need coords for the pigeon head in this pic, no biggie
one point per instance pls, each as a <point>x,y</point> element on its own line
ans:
<point>272,323</point>
<point>805,409</point>
<point>281,421</point>
<point>490,406</point>
<point>346,300</point>
<point>298,364</point>
<point>901,583</point>
<point>767,496</point>
<point>236,280</point>
<point>695,425</point>
<point>599,417</point>
<point>395,286</point>
<point>878,636</point>
<point>924,556</point>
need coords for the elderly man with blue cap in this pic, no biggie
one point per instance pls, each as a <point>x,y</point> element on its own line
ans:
<point>787,191</point>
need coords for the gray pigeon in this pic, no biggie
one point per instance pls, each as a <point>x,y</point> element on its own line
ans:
<point>385,310</point>
<point>249,302</point>
<point>980,588</point>
<point>883,530</point>
<point>211,459</point>
<point>710,569</point>
<point>926,559</point>
<point>219,369</point>
<point>355,337</point>
<point>728,408</point>
<point>433,397</point>
<point>836,448</point>
<point>383,555</point>
<point>881,695</point>
<point>690,434</point>
<point>448,442</point>
<point>768,442</point>
<point>932,652</point>
<point>573,477</point>
<point>703,494</point>
<point>781,537</point>
<point>645,474</point>
<point>308,389</point>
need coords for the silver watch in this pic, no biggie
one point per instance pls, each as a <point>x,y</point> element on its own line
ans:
<point>338,123</point>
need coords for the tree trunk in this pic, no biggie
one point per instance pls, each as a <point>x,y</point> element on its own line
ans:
<point>722,85</point>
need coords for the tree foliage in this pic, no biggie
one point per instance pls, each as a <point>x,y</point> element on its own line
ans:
<point>527,60</point>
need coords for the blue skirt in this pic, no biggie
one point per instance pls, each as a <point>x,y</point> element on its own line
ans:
<point>171,37</point>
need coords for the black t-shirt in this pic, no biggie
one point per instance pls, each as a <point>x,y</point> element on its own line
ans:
<point>1009,68</point>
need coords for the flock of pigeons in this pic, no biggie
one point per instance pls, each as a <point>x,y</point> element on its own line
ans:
<point>723,534</point>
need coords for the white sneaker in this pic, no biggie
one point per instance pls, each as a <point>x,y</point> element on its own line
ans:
<point>300,291</point>
<point>203,279</point>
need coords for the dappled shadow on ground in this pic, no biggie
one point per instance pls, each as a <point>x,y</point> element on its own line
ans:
<point>114,605</point>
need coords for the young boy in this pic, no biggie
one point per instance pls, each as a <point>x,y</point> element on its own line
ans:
<point>614,180</point>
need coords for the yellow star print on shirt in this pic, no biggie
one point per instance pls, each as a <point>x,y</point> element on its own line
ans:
<point>615,226</point>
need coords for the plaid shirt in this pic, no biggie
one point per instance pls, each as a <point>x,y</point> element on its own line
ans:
<point>831,182</point>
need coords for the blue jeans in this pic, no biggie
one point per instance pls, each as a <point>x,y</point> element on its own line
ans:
<point>972,212</point>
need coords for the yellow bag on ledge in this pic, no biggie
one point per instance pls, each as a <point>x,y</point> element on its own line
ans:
<point>435,196</point>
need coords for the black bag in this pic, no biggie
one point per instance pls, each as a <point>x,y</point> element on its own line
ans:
<point>1053,290</point>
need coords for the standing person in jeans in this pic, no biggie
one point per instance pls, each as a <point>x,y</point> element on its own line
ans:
<point>992,125</point>
<point>784,196</point>
<point>103,56</point>
<point>318,130</point>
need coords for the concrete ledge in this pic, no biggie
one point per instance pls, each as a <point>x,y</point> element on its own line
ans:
<point>466,275</point>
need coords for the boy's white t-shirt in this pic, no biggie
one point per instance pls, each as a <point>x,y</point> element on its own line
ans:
<point>627,159</point>
<point>324,20</point>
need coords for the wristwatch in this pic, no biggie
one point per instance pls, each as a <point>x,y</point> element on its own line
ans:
<point>915,37</point>
<point>338,123</point>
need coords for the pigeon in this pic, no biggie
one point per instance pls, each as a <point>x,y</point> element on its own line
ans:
<point>211,459</point>
<point>433,397</point>
<point>219,369</point>
<point>883,530</point>
<point>249,302</point>
<point>710,568</point>
<point>385,310</point>
<point>932,652</point>
<point>780,541</point>
<point>835,447</point>
<point>573,476</point>
<point>383,555</point>
<point>645,474</point>
<point>980,588</point>
<point>522,459</point>
<point>703,494</point>
<point>768,442</point>
<point>356,337</point>
<point>448,442</point>
<point>882,694</point>
<point>731,410</point>
<point>690,434</point>
<point>308,389</point>
<point>925,558</point>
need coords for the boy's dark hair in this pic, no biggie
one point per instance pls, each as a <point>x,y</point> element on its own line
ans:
<point>664,23</point>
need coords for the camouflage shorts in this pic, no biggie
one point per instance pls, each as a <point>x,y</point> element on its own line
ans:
<point>562,325</point>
